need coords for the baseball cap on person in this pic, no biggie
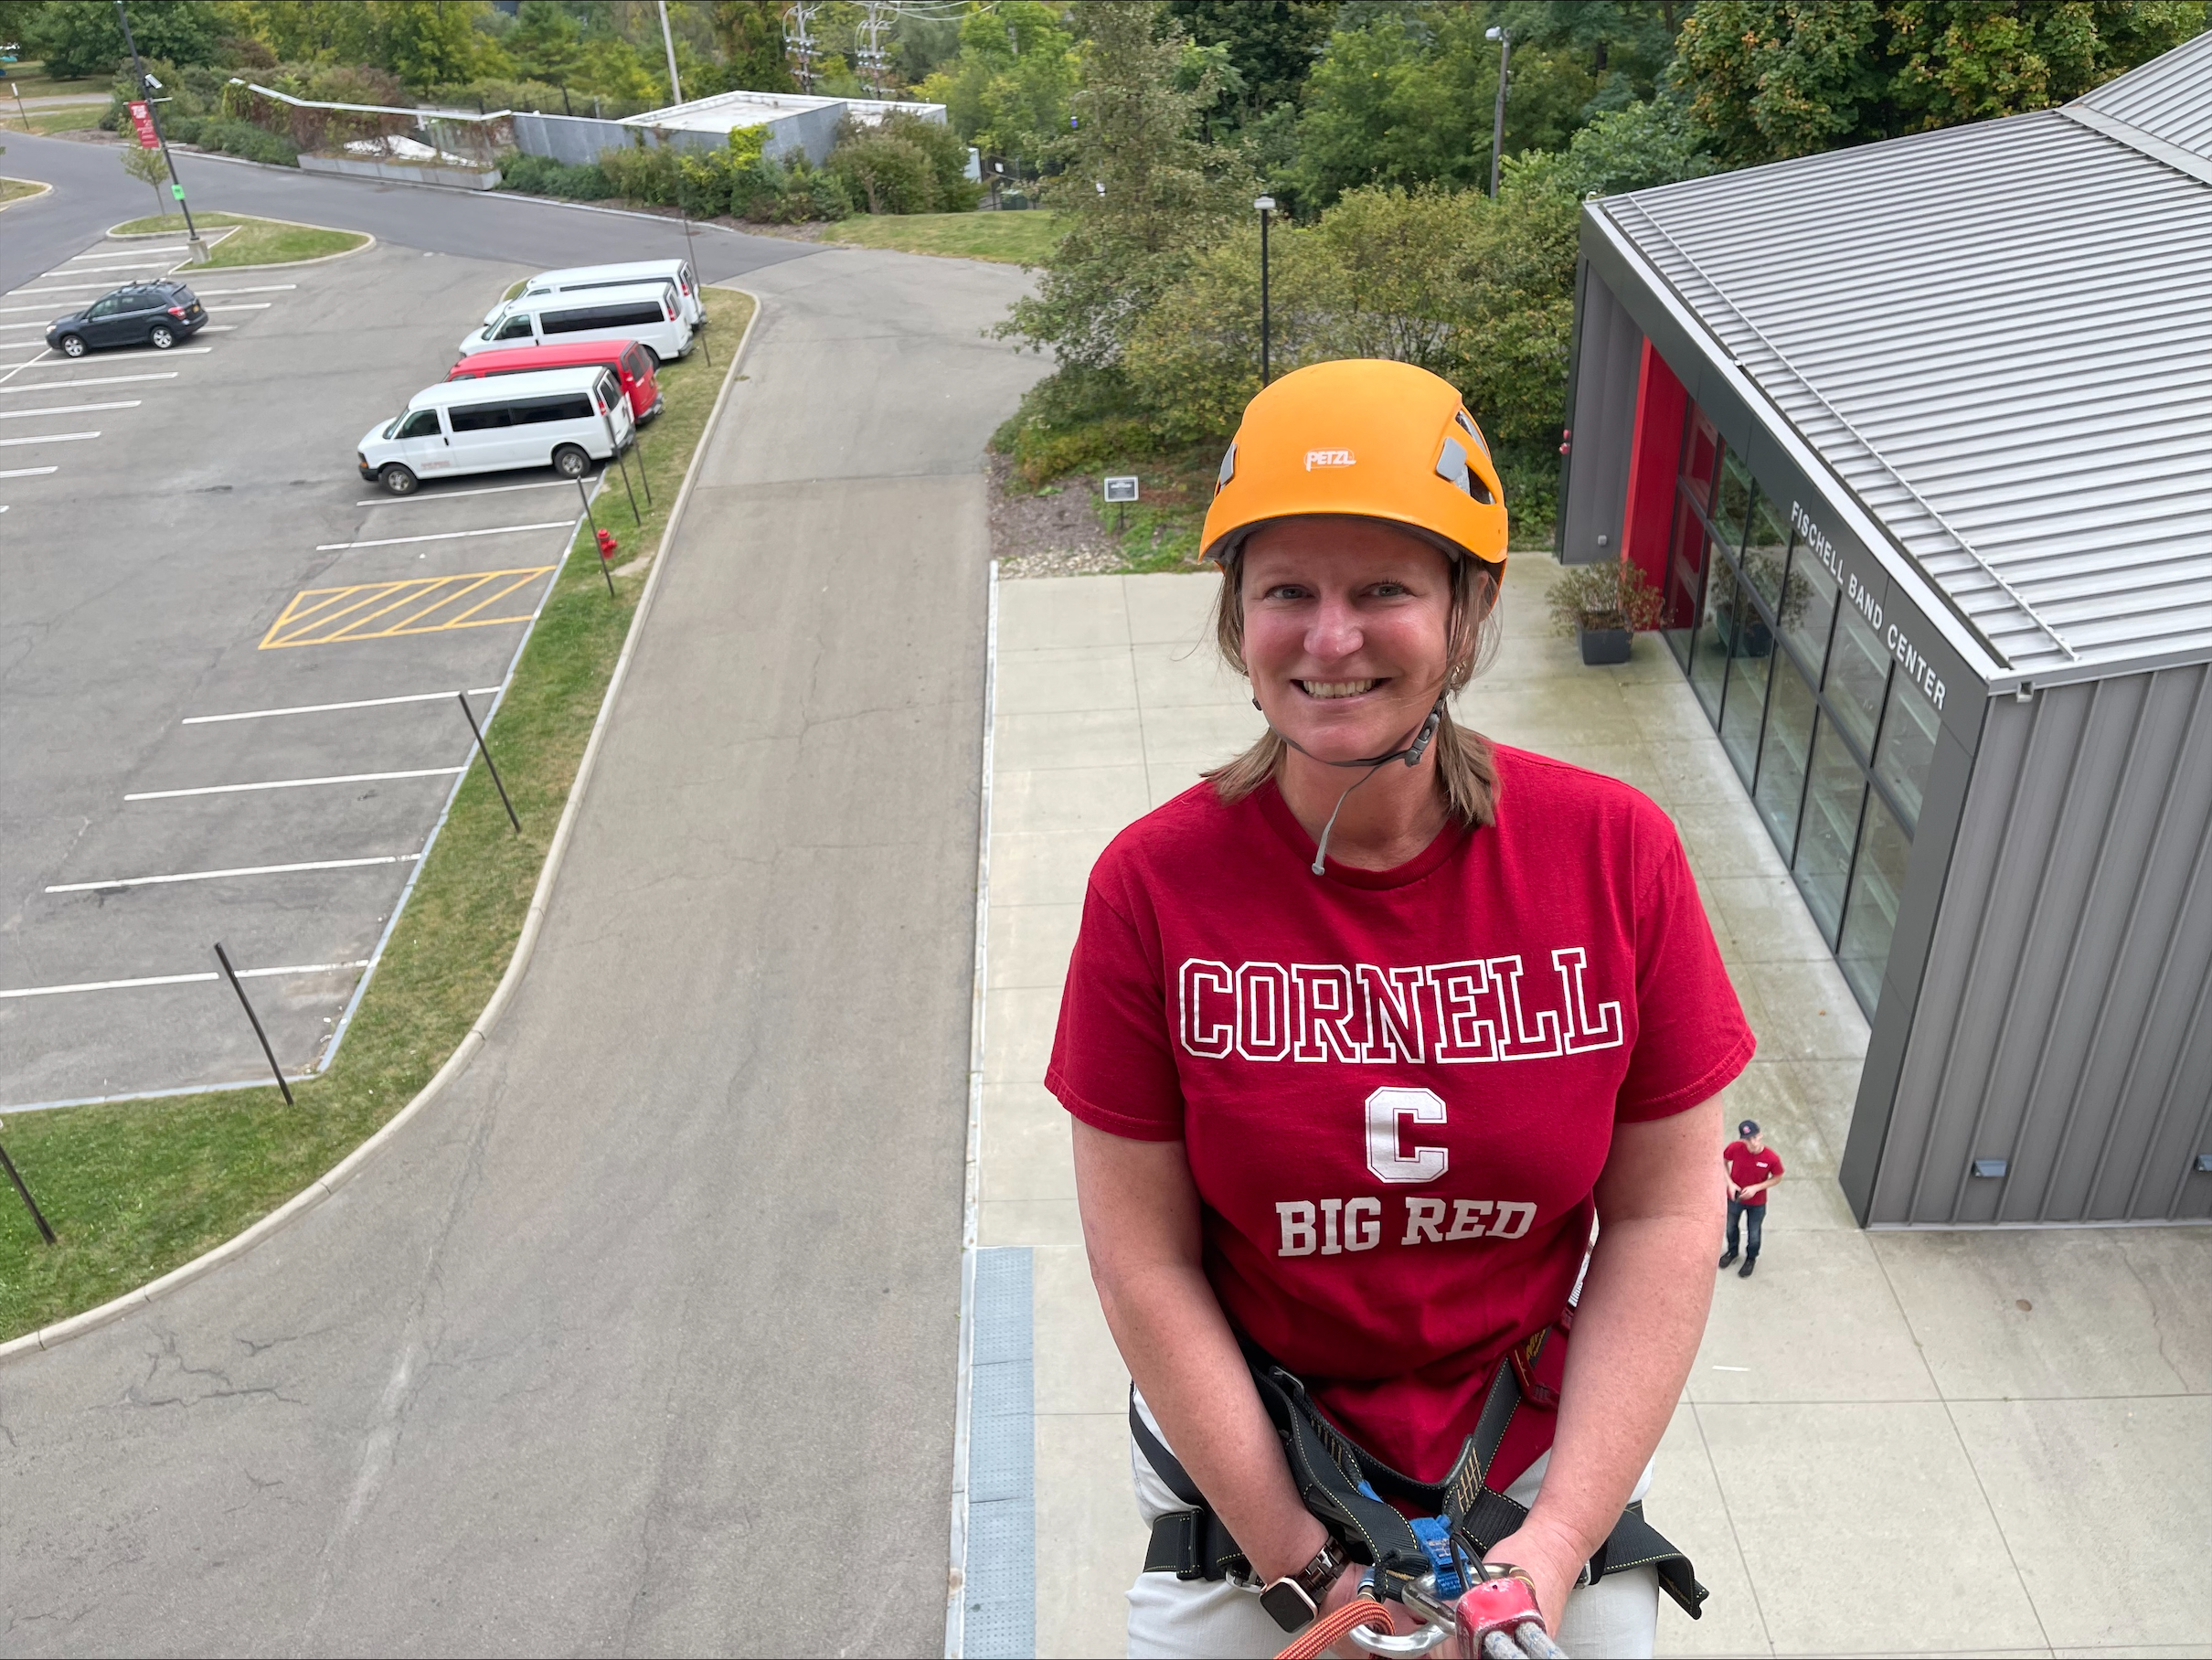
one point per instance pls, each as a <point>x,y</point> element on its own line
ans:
<point>1749,1127</point>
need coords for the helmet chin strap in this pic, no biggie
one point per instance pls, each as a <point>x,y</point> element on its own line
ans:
<point>1409,752</point>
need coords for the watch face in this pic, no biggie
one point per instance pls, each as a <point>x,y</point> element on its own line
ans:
<point>1286,1600</point>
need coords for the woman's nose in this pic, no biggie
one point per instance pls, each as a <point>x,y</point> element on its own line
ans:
<point>1335,631</point>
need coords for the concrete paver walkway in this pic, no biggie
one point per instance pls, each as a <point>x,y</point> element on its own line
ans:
<point>1985,1417</point>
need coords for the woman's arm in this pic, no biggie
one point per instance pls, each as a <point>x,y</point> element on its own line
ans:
<point>1636,1330</point>
<point>1141,1226</point>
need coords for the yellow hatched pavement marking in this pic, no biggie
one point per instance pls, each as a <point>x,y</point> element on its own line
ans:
<point>415,605</point>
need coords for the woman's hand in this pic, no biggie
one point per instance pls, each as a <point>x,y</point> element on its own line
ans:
<point>1347,1587</point>
<point>1551,1564</point>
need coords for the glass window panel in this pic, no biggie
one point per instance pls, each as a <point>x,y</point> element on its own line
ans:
<point>1700,450</point>
<point>1859,673</point>
<point>1808,609</point>
<point>1877,887</point>
<point>1709,654</point>
<point>1766,549</point>
<point>1831,811</point>
<point>1685,580</point>
<point>1732,500</point>
<point>1749,649</point>
<point>1909,740</point>
<point>1784,754</point>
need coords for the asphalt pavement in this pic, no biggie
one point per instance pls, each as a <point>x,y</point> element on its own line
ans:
<point>643,1338</point>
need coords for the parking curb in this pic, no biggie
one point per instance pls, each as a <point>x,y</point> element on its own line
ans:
<point>44,189</point>
<point>323,1187</point>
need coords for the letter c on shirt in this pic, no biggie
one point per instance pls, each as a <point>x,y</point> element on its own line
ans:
<point>1386,1109</point>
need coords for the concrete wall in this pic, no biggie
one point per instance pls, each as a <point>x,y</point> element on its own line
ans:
<point>576,140</point>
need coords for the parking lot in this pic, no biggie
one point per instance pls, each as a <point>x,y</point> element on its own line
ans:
<point>228,666</point>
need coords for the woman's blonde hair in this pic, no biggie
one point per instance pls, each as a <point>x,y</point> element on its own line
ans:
<point>1466,765</point>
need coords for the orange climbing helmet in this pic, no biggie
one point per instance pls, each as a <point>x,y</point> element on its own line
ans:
<point>1362,437</point>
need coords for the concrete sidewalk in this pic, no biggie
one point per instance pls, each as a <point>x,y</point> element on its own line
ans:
<point>1994,1418</point>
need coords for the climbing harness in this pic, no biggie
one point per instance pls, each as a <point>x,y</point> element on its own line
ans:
<point>1430,1562</point>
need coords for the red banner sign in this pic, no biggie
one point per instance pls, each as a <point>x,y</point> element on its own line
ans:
<point>141,118</point>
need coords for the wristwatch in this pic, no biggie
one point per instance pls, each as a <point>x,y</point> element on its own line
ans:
<point>1296,1598</point>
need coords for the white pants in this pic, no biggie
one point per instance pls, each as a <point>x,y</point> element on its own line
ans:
<point>1170,1618</point>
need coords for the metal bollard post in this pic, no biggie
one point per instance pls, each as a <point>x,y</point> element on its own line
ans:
<point>483,750</point>
<point>45,1232</point>
<point>230,974</point>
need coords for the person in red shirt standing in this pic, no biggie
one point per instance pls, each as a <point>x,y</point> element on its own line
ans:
<point>1752,1167</point>
<point>1366,1037</point>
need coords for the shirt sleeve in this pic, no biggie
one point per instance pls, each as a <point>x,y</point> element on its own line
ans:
<point>1774,1165</point>
<point>1691,1037</point>
<point>1111,1064</point>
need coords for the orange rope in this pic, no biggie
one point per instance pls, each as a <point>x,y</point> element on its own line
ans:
<point>1330,1630</point>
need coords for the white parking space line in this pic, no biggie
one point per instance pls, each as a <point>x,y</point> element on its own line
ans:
<point>246,306</point>
<point>67,409</point>
<point>323,708</point>
<point>50,438</point>
<point>446,495</point>
<point>70,386</point>
<point>26,472</point>
<point>26,325</point>
<point>296,783</point>
<point>117,985</point>
<point>212,876</point>
<point>220,328</point>
<point>99,261</point>
<point>442,535</point>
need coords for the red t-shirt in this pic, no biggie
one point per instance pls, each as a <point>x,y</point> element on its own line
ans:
<point>1746,1167</point>
<point>1397,1089</point>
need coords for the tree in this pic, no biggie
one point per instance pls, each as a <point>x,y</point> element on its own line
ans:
<point>430,43</point>
<point>75,37</point>
<point>1773,79</point>
<point>1008,89</point>
<point>544,43</point>
<point>1270,44</point>
<point>148,165</point>
<point>1405,98</point>
<point>1142,191</point>
<point>751,33</point>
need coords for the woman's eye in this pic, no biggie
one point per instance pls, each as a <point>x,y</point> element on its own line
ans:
<point>1389,590</point>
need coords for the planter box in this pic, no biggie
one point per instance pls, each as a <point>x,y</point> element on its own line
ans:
<point>1604,646</point>
<point>403,173</point>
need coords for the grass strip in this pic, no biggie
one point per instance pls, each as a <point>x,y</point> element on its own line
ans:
<point>136,1188</point>
<point>69,118</point>
<point>251,241</point>
<point>1016,238</point>
<point>16,189</point>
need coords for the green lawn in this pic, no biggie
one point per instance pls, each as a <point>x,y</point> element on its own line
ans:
<point>1020,239</point>
<point>69,118</point>
<point>136,1188</point>
<point>252,241</point>
<point>14,189</point>
<point>31,81</point>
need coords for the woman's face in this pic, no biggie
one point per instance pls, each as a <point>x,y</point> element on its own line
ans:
<point>1344,628</point>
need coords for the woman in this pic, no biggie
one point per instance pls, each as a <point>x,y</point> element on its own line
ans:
<point>1362,1032</point>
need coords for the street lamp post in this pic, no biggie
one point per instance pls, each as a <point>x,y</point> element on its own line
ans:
<point>147,87</point>
<point>1266,205</point>
<point>1504,37</point>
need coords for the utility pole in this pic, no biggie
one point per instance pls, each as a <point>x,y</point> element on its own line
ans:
<point>1504,37</point>
<point>148,86</point>
<point>676,86</point>
<point>1266,205</point>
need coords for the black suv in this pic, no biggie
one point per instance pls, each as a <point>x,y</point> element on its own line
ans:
<point>155,314</point>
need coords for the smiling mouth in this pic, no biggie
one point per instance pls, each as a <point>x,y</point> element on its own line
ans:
<point>1336,688</point>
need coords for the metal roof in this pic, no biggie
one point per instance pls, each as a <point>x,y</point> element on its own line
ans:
<point>2169,97</point>
<point>1999,339</point>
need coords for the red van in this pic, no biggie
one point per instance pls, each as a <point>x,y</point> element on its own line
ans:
<point>629,360</point>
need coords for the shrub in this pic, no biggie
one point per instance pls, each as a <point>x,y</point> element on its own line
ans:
<point>644,175</point>
<point>1612,593</point>
<point>243,139</point>
<point>542,175</point>
<point>904,163</point>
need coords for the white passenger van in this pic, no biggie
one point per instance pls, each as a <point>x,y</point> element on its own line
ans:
<point>676,274</point>
<point>562,418</point>
<point>646,312</point>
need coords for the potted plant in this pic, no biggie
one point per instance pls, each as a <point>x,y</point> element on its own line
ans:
<point>1603,607</point>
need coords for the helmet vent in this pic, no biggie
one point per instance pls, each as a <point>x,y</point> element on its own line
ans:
<point>1228,468</point>
<point>1451,467</point>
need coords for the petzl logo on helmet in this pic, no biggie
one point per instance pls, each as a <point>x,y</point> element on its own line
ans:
<point>1327,458</point>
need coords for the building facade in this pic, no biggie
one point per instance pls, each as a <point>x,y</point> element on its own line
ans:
<point>1913,440</point>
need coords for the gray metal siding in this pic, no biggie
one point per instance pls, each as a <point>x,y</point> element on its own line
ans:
<point>1999,338</point>
<point>2062,1024</point>
<point>1609,350</point>
<point>2170,98</point>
